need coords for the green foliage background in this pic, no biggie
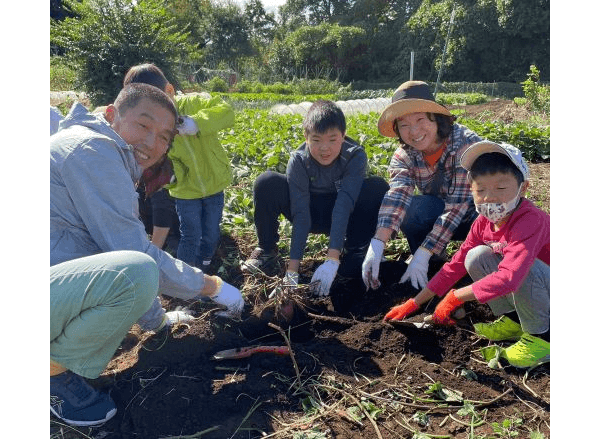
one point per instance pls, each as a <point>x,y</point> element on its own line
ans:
<point>353,41</point>
<point>106,37</point>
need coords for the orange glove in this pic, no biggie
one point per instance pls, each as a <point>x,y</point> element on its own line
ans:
<point>445,308</point>
<point>402,311</point>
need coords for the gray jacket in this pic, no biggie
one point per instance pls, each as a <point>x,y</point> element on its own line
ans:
<point>344,177</point>
<point>94,203</point>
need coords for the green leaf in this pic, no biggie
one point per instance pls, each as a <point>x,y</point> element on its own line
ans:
<point>468,374</point>
<point>440,392</point>
<point>492,355</point>
<point>355,413</point>
<point>372,409</point>
<point>313,434</point>
<point>421,419</point>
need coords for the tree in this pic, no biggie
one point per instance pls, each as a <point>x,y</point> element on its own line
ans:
<point>109,36</point>
<point>260,24</point>
<point>225,31</point>
<point>491,40</point>
<point>326,46</point>
<point>58,11</point>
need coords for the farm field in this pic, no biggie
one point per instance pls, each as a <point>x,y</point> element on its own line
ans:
<point>349,375</point>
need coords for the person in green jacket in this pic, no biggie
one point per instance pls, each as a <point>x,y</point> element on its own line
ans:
<point>201,166</point>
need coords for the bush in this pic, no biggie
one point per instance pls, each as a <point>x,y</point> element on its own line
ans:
<point>216,84</point>
<point>244,86</point>
<point>63,76</point>
<point>278,88</point>
<point>537,94</point>
<point>107,37</point>
<point>461,98</point>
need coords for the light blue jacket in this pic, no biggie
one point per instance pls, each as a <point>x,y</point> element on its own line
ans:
<point>94,204</point>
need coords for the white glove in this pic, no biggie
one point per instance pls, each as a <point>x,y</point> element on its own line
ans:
<point>180,315</point>
<point>417,269</point>
<point>370,266</point>
<point>231,297</point>
<point>290,279</point>
<point>187,126</point>
<point>325,274</point>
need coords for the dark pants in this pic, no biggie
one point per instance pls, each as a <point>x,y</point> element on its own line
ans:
<point>272,198</point>
<point>420,217</point>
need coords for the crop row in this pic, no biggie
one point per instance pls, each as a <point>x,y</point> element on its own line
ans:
<point>260,140</point>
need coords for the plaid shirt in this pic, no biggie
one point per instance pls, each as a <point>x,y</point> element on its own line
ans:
<point>408,170</point>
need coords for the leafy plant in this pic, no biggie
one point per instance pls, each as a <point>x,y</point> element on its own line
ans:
<point>106,37</point>
<point>537,94</point>
<point>439,391</point>
<point>421,419</point>
<point>312,434</point>
<point>63,75</point>
<point>461,98</point>
<point>216,83</point>
<point>507,428</point>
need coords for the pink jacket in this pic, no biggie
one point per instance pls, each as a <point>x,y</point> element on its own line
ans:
<point>524,238</point>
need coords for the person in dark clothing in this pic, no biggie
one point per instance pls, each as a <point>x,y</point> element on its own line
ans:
<point>325,190</point>
<point>160,219</point>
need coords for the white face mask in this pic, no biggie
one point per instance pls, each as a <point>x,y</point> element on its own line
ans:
<point>496,211</point>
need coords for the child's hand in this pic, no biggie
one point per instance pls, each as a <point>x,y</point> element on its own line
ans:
<point>444,310</point>
<point>400,312</point>
<point>186,126</point>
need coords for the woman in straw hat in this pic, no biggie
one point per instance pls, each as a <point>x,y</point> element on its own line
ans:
<point>428,160</point>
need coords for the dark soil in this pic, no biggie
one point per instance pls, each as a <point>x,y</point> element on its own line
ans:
<point>345,356</point>
<point>178,390</point>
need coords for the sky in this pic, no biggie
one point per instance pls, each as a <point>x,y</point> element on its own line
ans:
<point>269,5</point>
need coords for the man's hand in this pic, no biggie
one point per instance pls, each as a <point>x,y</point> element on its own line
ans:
<point>400,312</point>
<point>325,275</point>
<point>231,297</point>
<point>444,310</point>
<point>370,266</point>
<point>417,269</point>
<point>178,316</point>
<point>171,318</point>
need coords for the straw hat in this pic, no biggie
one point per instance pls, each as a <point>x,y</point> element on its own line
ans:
<point>485,146</point>
<point>410,97</point>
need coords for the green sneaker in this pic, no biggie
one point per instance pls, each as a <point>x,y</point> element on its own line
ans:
<point>502,329</point>
<point>529,351</point>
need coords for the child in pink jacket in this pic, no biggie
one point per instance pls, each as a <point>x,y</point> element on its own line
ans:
<point>506,254</point>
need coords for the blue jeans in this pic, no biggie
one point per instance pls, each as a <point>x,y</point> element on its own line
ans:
<point>420,217</point>
<point>199,221</point>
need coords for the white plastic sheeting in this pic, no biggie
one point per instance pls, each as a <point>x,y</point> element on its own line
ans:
<point>355,106</point>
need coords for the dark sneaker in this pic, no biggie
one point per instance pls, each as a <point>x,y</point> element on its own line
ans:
<point>260,260</point>
<point>77,403</point>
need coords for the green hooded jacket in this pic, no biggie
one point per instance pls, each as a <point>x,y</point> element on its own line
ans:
<point>200,163</point>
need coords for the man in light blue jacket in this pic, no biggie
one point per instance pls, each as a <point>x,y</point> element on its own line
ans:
<point>105,274</point>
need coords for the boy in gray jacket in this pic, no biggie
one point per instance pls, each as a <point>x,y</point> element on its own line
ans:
<point>95,162</point>
<point>325,190</point>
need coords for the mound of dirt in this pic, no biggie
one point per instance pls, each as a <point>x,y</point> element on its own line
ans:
<point>498,110</point>
<point>344,357</point>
